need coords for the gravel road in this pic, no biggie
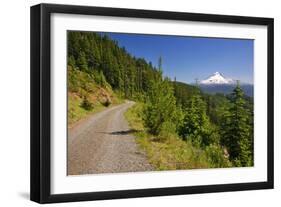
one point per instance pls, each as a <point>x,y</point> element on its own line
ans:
<point>103,143</point>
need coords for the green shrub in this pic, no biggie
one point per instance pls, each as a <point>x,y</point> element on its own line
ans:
<point>217,157</point>
<point>167,131</point>
<point>86,104</point>
<point>106,103</point>
<point>196,125</point>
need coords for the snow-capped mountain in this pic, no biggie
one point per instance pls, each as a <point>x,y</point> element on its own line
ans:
<point>217,83</point>
<point>217,78</point>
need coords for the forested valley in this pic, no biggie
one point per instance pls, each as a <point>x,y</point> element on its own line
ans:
<point>177,125</point>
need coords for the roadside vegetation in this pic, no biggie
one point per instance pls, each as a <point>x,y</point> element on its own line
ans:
<point>168,151</point>
<point>178,125</point>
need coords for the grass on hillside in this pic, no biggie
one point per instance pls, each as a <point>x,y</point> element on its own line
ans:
<point>171,154</point>
<point>76,112</point>
<point>88,94</point>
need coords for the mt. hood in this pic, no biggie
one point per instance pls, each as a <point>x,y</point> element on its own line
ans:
<point>217,83</point>
<point>217,78</point>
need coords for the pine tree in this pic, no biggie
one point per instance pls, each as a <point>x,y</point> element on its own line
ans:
<point>102,79</point>
<point>94,54</point>
<point>73,47</point>
<point>175,86</point>
<point>71,62</point>
<point>160,70</point>
<point>196,124</point>
<point>161,107</point>
<point>160,64</point>
<point>82,62</point>
<point>236,130</point>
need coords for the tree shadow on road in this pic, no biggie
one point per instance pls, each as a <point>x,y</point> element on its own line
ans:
<point>122,132</point>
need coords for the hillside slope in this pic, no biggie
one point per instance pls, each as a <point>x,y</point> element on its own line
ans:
<point>86,96</point>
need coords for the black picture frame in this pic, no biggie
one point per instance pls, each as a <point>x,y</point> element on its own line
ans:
<point>41,98</point>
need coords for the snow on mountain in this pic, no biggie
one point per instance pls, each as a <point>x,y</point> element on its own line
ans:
<point>217,78</point>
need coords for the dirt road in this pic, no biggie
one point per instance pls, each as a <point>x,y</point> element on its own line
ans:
<point>103,143</point>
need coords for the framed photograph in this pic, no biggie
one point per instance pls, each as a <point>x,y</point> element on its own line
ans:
<point>132,103</point>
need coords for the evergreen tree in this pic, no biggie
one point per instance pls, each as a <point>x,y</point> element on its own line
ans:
<point>94,55</point>
<point>102,79</point>
<point>161,107</point>
<point>160,64</point>
<point>73,47</point>
<point>71,62</point>
<point>82,62</point>
<point>196,124</point>
<point>160,70</point>
<point>236,130</point>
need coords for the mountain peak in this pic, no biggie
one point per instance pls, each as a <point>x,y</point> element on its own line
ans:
<point>217,78</point>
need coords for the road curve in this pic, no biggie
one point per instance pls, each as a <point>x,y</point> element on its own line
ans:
<point>103,143</point>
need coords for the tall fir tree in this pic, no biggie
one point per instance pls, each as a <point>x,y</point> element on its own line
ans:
<point>71,62</point>
<point>82,62</point>
<point>236,130</point>
<point>196,124</point>
<point>160,107</point>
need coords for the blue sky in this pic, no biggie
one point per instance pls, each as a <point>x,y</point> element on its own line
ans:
<point>189,58</point>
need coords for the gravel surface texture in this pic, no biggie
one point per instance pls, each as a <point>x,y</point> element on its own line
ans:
<point>103,143</point>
